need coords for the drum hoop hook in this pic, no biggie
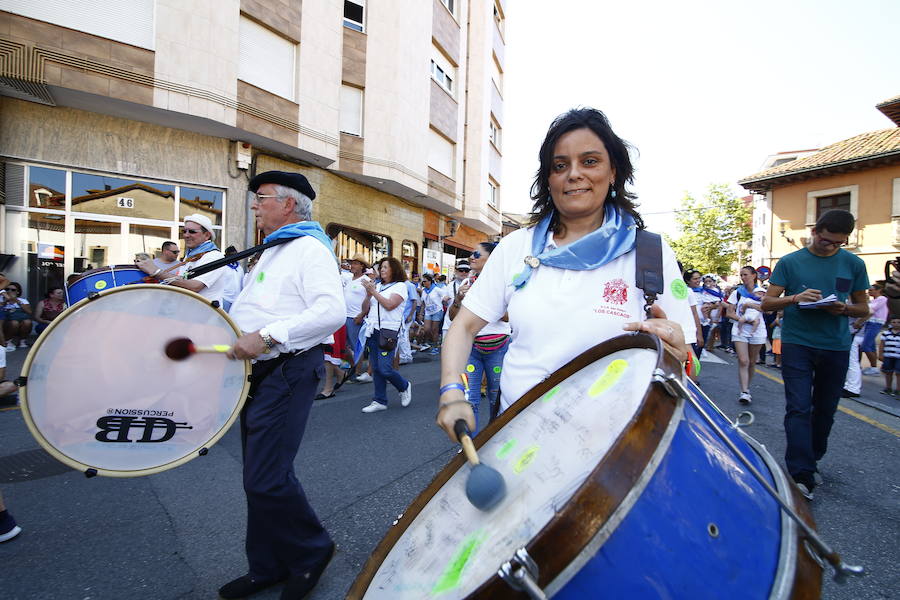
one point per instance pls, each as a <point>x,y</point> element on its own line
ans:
<point>521,574</point>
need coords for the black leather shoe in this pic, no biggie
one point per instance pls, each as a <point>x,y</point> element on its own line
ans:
<point>245,586</point>
<point>298,586</point>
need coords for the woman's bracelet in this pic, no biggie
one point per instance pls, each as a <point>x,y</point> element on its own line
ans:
<point>452,386</point>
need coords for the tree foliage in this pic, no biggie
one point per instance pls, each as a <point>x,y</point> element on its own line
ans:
<point>711,230</point>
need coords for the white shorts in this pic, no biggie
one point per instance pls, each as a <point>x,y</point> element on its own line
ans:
<point>753,339</point>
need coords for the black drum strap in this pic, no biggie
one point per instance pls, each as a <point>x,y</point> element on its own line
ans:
<point>648,266</point>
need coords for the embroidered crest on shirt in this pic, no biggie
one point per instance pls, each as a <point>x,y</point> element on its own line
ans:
<point>615,291</point>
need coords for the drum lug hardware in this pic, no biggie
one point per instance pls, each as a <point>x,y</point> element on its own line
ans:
<point>660,377</point>
<point>203,451</point>
<point>20,381</point>
<point>92,472</point>
<point>214,304</point>
<point>521,574</point>
<point>93,295</point>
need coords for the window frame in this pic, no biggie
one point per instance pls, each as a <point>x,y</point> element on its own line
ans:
<point>351,23</point>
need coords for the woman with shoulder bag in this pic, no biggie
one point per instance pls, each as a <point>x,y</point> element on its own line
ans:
<point>386,301</point>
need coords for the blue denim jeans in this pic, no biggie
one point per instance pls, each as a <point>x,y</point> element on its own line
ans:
<point>383,370</point>
<point>813,380</point>
<point>489,364</point>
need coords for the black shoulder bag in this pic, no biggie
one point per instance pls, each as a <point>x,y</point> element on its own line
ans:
<point>387,338</point>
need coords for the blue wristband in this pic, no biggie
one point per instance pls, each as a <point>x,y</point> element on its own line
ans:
<point>452,386</point>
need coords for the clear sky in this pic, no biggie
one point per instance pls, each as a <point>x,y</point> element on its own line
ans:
<point>704,89</point>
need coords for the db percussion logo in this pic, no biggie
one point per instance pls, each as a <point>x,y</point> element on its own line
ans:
<point>148,425</point>
<point>615,291</point>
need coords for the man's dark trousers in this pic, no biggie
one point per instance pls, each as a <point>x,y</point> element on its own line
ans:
<point>813,380</point>
<point>284,536</point>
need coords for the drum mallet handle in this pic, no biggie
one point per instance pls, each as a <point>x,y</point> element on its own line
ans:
<point>462,434</point>
<point>841,569</point>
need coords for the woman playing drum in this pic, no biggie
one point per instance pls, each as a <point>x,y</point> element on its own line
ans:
<point>568,281</point>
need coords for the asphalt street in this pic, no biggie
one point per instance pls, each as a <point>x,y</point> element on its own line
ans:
<point>179,534</point>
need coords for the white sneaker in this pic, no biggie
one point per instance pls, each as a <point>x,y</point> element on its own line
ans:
<point>871,371</point>
<point>10,347</point>
<point>23,344</point>
<point>364,378</point>
<point>374,407</point>
<point>745,398</point>
<point>424,347</point>
<point>406,395</point>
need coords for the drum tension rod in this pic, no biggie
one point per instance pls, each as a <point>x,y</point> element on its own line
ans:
<point>20,381</point>
<point>521,574</point>
<point>841,569</point>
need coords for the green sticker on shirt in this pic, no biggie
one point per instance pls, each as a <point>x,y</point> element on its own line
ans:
<point>261,276</point>
<point>679,289</point>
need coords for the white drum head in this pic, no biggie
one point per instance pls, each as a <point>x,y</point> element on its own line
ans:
<point>545,453</point>
<point>101,394</point>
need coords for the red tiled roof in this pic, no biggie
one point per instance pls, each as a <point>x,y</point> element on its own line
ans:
<point>883,144</point>
<point>890,109</point>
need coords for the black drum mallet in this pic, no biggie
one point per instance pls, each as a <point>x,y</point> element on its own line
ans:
<point>485,487</point>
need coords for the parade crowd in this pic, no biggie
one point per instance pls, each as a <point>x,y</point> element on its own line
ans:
<point>506,317</point>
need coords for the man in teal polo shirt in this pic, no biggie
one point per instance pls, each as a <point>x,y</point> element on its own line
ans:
<point>815,342</point>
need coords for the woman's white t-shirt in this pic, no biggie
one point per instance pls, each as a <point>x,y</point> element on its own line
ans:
<point>390,319</point>
<point>740,305</point>
<point>354,295</point>
<point>433,297</point>
<point>560,313</point>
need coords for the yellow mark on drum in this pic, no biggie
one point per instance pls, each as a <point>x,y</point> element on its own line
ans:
<point>526,459</point>
<point>100,285</point>
<point>453,571</point>
<point>609,378</point>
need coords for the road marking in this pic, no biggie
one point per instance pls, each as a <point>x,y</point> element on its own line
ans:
<point>852,413</point>
<point>9,408</point>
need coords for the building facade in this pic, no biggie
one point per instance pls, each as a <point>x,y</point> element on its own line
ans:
<point>860,174</point>
<point>118,119</point>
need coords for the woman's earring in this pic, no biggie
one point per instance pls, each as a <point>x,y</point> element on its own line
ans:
<point>612,192</point>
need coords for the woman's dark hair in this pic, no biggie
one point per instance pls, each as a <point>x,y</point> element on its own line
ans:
<point>689,274</point>
<point>397,272</point>
<point>616,147</point>
<point>51,290</point>
<point>488,246</point>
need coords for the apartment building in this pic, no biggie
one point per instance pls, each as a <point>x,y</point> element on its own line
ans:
<point>117,119</point>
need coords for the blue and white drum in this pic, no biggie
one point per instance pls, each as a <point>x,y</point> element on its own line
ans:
<point>101,396</point>
<point>104,278</point>
<point>616,488</point>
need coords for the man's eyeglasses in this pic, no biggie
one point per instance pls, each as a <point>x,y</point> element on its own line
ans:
<point>476,254</point>
<point>191,230</point>
<point>257,198</point>
<point>834,244</point>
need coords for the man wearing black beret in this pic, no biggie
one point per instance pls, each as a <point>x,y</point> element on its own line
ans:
<point>290,305</point>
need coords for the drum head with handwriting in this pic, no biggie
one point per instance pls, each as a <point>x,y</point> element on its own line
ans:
<point>101,394</point>
<point>545,453</point>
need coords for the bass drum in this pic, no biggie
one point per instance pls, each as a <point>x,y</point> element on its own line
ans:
<point>104,278</point>
<point>101,396</point>
<point>616,488</point>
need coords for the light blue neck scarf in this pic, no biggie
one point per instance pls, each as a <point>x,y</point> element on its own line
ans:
<point>299,229</point>
<point>608,242</point>
<point>204,247</point>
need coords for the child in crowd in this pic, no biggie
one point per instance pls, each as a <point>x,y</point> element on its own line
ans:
<point>749,321</point>
<point>776,338</point>
<point>889,354</point>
